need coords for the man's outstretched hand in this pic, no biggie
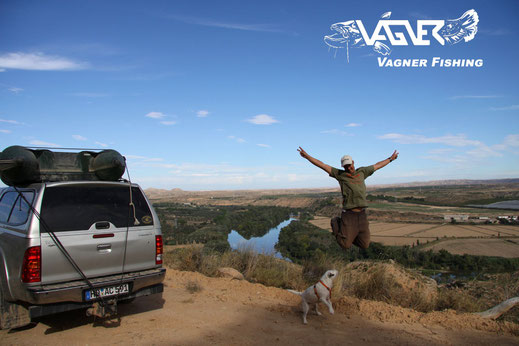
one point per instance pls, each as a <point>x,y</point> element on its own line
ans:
<point>394,156</point>
<point>302,152</point>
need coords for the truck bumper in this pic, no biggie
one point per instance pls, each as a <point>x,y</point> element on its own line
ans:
<point>141,283</point>
<point>49,309</point>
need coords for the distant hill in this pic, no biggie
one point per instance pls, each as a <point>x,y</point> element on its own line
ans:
<point>451,182</point>
<point>162,193</point>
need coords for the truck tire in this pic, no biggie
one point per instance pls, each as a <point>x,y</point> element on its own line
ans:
<point>12,315</point>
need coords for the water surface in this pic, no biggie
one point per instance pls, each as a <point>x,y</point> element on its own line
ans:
<point>264,244</point>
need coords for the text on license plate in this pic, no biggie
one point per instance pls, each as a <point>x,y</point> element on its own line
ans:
<point>106,291</point>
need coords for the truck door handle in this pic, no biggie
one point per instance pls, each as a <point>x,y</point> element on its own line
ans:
<point>102,225</point>
<point>104,247</point>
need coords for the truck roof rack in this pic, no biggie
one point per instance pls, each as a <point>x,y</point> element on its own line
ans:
<point>22,165</point>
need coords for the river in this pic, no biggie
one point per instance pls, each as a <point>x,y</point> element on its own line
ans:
<point>264,244</point>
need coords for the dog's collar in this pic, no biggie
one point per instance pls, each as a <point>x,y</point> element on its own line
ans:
<point>328,288</point>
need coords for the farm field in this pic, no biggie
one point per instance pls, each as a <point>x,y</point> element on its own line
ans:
<point>484,240</point>
<point>503,247</point>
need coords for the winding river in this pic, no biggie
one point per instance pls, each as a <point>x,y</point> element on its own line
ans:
<point>264,244</point>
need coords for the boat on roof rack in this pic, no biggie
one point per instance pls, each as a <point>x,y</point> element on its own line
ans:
<point>24,165</point>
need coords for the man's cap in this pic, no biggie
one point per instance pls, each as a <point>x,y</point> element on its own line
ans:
<point>346,160</point>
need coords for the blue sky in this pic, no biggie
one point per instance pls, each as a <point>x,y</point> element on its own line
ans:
<point>208,95</point>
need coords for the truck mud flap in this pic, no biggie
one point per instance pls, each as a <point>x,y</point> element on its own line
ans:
<point>13,315</point>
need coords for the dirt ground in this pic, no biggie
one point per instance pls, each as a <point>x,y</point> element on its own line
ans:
<point>232,312</point>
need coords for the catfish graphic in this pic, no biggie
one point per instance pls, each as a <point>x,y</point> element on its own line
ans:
<point>347,34</point>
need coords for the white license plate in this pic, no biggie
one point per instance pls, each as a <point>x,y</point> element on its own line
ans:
<point>107,291</point>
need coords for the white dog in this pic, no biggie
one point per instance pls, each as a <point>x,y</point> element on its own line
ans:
<point>320,292</point>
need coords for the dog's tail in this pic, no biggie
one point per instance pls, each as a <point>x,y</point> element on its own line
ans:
<point>295,292</point>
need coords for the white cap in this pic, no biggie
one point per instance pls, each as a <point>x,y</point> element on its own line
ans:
<point>346,160</point>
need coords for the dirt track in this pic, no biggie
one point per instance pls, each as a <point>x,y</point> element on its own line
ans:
<point>231,312</point>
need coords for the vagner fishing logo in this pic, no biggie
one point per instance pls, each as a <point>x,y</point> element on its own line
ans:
<point>353,34</point>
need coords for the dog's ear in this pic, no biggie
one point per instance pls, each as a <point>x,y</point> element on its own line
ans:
<point>331,274</point>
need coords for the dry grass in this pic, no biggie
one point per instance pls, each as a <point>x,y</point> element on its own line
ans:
<point>193,287</point>
<point>382,281</point>
<point>390,283</point>
<point>255,267</point>
<point>458,300</point>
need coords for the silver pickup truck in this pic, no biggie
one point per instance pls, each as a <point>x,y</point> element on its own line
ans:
<point>76,244</point>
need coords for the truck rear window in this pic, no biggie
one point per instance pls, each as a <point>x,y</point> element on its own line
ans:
<point>78,207</point>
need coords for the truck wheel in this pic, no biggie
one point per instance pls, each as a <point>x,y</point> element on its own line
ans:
<point>12,315</point>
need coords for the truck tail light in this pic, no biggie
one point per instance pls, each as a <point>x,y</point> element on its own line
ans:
<point>31,268</point>
<point>158,249</point>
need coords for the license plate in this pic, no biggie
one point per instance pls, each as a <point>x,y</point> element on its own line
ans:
<point>106,291</point>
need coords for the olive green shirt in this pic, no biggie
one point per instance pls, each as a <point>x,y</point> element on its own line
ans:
<point>352,186</point>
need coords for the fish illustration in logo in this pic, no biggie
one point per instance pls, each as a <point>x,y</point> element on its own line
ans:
<point>463,28</point>
<point>451,31</point>
<point>348,35</point>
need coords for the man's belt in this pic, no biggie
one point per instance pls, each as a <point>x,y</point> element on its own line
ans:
<point>356,210</point>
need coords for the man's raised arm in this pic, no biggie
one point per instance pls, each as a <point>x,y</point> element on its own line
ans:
<point>315,162</point>
<point>384,163</point>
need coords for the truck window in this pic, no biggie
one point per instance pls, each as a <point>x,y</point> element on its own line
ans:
<point>78,207</point>
<point>14,210</point>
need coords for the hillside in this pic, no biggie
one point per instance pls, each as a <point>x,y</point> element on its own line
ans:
<point>232,312</point>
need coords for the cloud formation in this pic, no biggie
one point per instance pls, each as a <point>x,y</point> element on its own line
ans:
<point>155,115</point>
<point>335,132</point>
<point>505,108</point>
<point>262,119</point>
<point>202,113</point>
<point>459,97</point>
<point>43,143</point>
<point>39,61</point>
<point>226,25</point>
<point>14,122</point>
<point>79,138</point>
<point>459,140</point>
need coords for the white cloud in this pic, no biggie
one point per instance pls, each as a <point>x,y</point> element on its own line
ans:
<point>353,125</point>
<point>43,144</point>
<point>155,115</point>
<point>512,141</point>
<point>38,61</point>
<point>263,145</point>
<point>202,113</point>
<point>506,108</point>
<point>141,159</point>
<point>5,131</point>
<point>476,150</point>
<point>15,90</point>
<point>494,32</point>
<point>335,132</point>
<point>226,25</point>
<point>79,138</point>
<point>459,140</point>
<point>440,151</point>
<point>237,139</point>
<point>14,122</point>
<point>90,95</point>
<point>104,145</point>
<point>262,119</point>
<point>168,123</point>
<point>459,97</point>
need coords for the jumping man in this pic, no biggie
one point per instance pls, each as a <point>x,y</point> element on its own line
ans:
<point>352,227</point>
